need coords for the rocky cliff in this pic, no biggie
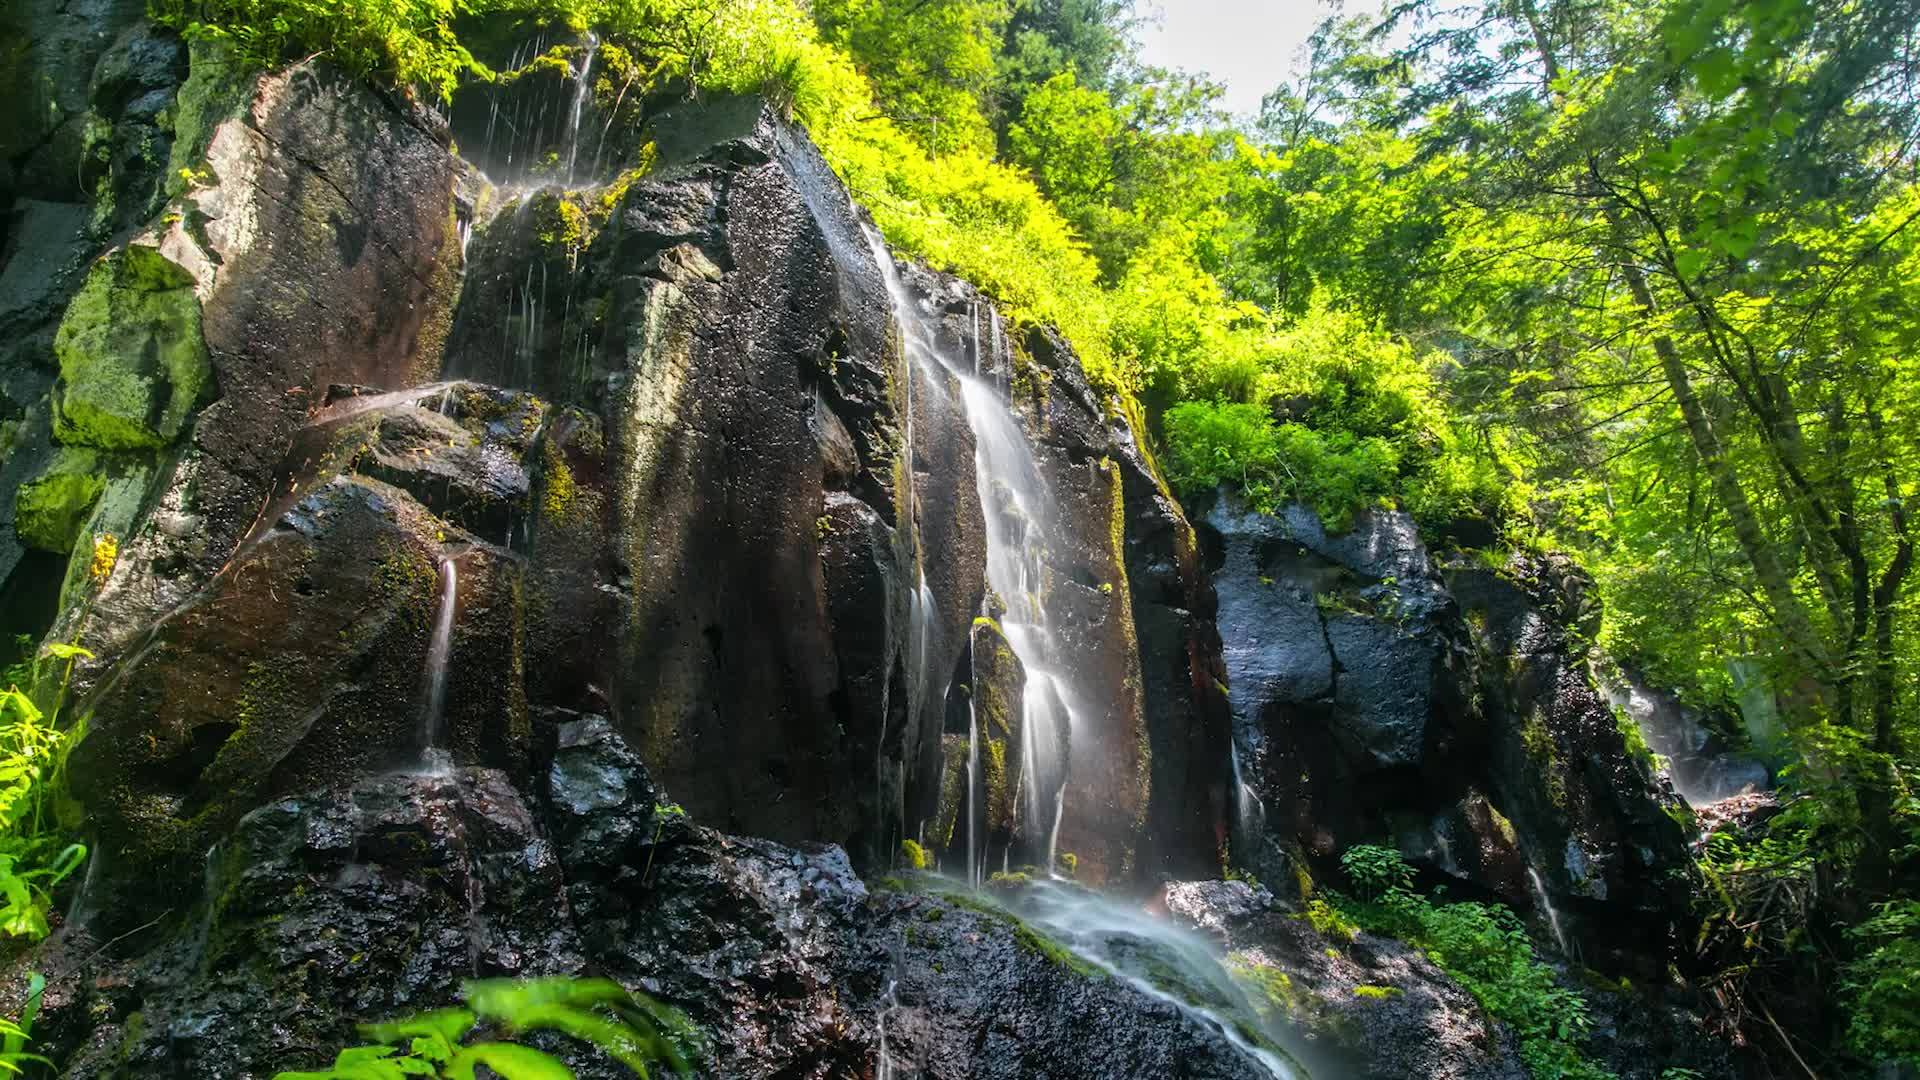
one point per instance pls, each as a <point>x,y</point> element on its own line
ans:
<point>603,571</point>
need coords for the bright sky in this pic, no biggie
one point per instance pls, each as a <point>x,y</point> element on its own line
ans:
<point>1249,45</point>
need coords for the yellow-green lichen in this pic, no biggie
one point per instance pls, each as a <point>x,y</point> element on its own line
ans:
<point>557,500</point>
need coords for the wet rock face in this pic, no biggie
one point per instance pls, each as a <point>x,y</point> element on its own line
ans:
<point>715,535</point>
<point>1382,695</point>
<point>717,558</point>
<point>1130,603</point>
<point>1607,836</point>
<point>1373,1007</point>
<point>971,996</point>
<point>309,248</point>
<point>376,898</point>
<point>302,661</point>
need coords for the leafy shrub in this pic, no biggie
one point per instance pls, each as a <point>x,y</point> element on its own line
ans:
<point>1332,414</point>
<point>410,42</point>
<point>631,1028</point>
<point>1883,985</point>
<point>1486,950</point>
<point>1376,871</point>
<point>1211,444</point>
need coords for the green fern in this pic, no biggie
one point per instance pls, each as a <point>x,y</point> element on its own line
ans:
<point>633,1029</point>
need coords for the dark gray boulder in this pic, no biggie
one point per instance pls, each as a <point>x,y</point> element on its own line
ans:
<point>1382,693</point>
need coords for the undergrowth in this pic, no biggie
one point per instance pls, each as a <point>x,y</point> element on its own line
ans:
<point>633,1029</point>
<point>1486,950</point>
<point>35,853</point>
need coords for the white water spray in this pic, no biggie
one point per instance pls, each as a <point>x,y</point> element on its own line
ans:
<point>1249,811</point>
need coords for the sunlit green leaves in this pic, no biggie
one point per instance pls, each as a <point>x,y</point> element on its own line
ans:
<point>635,1030</point>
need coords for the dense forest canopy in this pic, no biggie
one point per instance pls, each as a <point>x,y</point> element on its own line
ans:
<point>1632,280</point>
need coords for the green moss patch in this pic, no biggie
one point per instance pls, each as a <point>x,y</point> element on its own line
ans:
<point>50,510</point>
<point>133,364</point>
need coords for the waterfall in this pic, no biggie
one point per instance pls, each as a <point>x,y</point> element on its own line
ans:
<point>1021,529</point>
<point>889,1001</point>
<point>437,651</point>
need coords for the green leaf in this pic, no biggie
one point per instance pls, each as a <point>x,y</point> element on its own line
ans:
<point>512,1062</point>
<point>16,1037</point>
<point>440,1031</point>
<point>1718,72</point>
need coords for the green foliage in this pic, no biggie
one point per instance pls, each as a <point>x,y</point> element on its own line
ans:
<point>410,42</point>
<point>15,1034</point>
<point>1210,444</point>
<point>1377,993</point>
<point>1883,985</point>
<point>1345,417</point>
<point>633,1029</point>
<point>914,855</point>
<point>35,856</point>
<point>1484,948</point>
<point>1376,871</point>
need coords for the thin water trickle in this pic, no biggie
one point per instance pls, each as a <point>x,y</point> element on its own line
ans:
<point>438,649</point>
<point>209,882</point>
<point>583,88</point>
<point>889,1001</point>
<point>1249,811</point>
<point>973,786</point>
<point>1545,903</point>
<point>1022,529</point>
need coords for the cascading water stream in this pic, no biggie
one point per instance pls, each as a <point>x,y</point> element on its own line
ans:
<point>438,650</point>
<point>1161,960</point>
<point>1021,530</point>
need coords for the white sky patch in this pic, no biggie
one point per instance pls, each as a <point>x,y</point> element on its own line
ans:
<point>1250,46</point>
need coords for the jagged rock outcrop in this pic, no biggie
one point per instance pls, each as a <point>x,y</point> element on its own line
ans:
<point>654,437</point>
<point>1382,694</point>
<point>1367,1008</point>
<point>1372,1007</point>
<point>379,896</point>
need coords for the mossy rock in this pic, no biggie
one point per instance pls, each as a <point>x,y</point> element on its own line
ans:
<point>50,510</point>
<point>133,363</point>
